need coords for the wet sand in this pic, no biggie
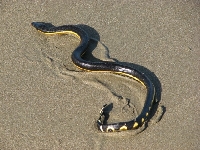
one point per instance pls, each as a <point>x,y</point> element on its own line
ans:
<point>48,103</point>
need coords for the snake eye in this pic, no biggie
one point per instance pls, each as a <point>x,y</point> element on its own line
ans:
<point>38,25</point>
<point>42,25</point>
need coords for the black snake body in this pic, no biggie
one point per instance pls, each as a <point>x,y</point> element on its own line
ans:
<point>108,67</point>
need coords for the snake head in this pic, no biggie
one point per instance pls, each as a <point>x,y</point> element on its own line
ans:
<point>42,26</point>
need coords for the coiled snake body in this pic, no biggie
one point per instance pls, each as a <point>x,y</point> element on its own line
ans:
<point>108,67</point>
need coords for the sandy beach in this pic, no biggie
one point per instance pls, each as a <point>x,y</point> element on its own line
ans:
<point>46,102</point>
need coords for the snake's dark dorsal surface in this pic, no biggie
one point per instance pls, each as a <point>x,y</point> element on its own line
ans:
<point>112,67</point>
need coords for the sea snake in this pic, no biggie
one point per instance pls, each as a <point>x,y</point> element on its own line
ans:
<point>104,66</point>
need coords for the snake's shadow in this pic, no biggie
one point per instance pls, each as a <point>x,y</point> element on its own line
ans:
<point>93,34</point>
